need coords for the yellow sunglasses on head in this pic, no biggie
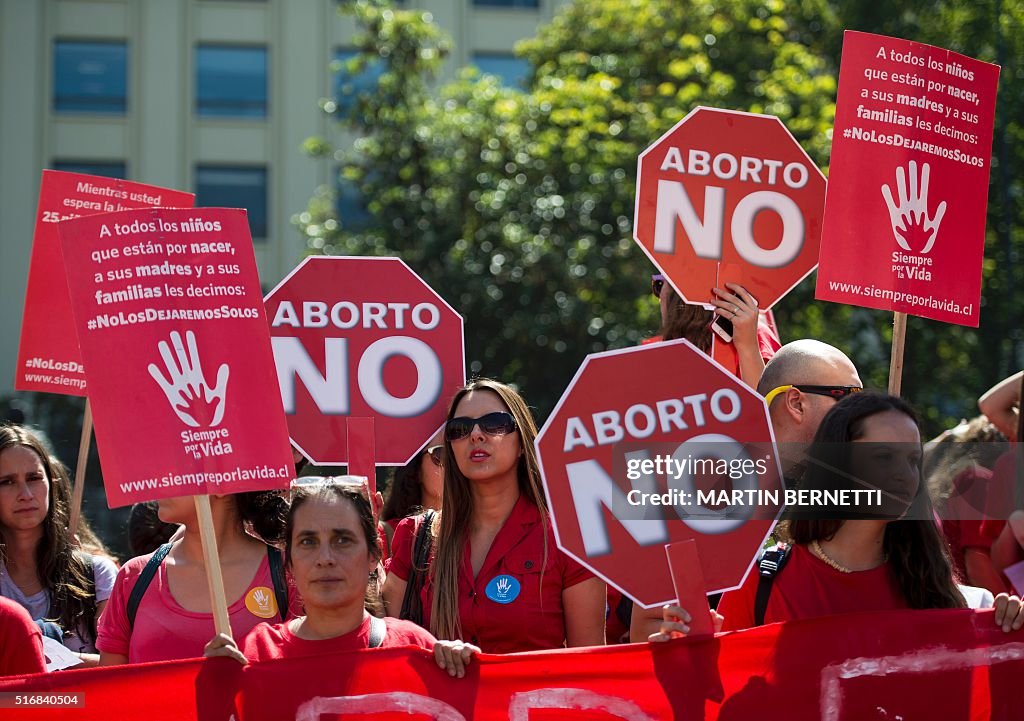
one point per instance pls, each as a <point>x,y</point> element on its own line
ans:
<point>836,392</point>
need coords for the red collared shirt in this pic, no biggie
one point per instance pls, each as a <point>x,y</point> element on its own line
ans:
<point>508,607</point>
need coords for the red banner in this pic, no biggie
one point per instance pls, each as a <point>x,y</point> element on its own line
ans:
<point>908,180</point>
<point>48,355</point>
<point>905,665</point>
<point>177,351</point>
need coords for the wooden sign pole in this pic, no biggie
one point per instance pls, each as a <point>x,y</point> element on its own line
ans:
<point>78,489</point>
<point>214,576</point>
<point>899,338</point>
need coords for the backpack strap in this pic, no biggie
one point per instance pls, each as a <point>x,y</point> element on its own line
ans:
<point>145,578</point>
<point>280,582</point>
<point>378,630</point>
<point>769,564</point>
<point>412,604</point>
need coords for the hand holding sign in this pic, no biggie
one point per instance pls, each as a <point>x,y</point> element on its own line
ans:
<point>910,218</point>
<point>185,386</point>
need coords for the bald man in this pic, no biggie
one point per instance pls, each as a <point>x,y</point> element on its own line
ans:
<point>800,383</point>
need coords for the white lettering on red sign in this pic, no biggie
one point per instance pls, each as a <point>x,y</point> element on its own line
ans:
<point>330,389</point>
<point>593,490</point>
<point>705,232</point>
<point>641,421</point>
<point>347,315</point>
<point>520,704</point>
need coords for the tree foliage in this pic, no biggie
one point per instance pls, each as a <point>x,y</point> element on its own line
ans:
<point>517,204</point>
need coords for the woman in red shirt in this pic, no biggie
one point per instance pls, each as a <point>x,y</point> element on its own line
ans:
<point>497,578</point>
<point>332,548</point>
<point>879,563</point>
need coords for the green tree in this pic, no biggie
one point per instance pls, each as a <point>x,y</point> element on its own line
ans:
<point>517,205</point>
<point>946,366</point>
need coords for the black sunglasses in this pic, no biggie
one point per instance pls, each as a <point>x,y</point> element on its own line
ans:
<point>493,424</point>
<point>837,392</point>
<point>435,453</point>
<point>657,283</point>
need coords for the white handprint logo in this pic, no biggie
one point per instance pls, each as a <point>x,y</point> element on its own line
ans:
<point>260,602</point>
<point>185,386</point>
<point>909,218</point>
<point>504,586</point>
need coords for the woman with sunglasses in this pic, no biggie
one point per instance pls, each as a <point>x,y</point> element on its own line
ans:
<point>753,338</point>
<point>496,577</point>
<point>415,487</point>
<point>878,560</point>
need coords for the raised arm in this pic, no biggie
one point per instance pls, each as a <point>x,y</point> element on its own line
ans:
<point>1000,405</point>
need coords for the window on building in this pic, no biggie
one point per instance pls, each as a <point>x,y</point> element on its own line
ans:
<point>347,86</point>
<point>507,3</point>
<point>230,186</point>
<point>90,77</point>
<point>103,168</point>
<point>231,81</point>
<point>513,71</point>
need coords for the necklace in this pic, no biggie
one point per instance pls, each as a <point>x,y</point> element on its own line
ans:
<point>820,553</point>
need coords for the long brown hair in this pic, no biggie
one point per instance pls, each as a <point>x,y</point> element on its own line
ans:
<point>918,554</point>
<point>61,569</point>
<point>686,320</point>
<point>457,507</point>
<point>971,444</point>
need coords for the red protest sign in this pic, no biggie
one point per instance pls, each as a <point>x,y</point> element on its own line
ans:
<point>48,355</point>
<point>908,180</point>
<point>363,338</point>
<point>638,454</point>
<point>174,340</point>
<point>725,197</point>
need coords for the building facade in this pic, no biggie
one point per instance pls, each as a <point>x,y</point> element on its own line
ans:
<point>211,96</point>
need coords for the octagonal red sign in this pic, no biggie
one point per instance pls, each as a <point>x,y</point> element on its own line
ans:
<point>358,338</point>
<point>632,460</point>
<point>726,196</point>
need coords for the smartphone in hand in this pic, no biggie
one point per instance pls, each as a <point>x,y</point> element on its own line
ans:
<point>722,327</point>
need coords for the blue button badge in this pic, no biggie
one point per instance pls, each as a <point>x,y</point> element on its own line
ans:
<point>503,589</point>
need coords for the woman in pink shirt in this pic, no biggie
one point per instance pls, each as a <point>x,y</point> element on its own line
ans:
<point>170,617</point>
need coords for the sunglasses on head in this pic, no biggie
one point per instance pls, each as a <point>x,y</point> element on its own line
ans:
<point>836,392</point>
<point>321,481</point>
<point>493,424</point>
<point>435,453</point>
<point>657,283</point>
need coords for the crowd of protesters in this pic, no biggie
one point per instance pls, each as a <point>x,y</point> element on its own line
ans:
<point>470,561</point>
